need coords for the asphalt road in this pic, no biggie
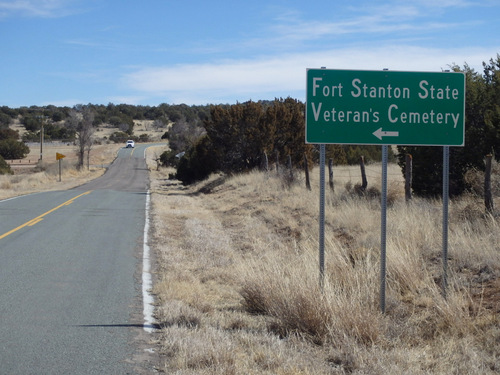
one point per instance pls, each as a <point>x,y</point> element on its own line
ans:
<point>70,272</point>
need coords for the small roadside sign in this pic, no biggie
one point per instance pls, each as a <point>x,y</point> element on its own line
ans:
<point>385,107</point>
<point>59,157</point>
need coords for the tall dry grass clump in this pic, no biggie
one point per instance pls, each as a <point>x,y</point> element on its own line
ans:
<point>239,281</point>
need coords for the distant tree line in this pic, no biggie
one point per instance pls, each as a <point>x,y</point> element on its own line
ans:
<point>121,116</point>
<point>235,139</point>
<point>77,125</point>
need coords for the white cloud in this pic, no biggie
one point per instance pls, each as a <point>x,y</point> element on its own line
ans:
<point>397,19</point>
<point>36,8</point>
<point>278,75</point>
<point>246,75</point>
<point>448,3</point>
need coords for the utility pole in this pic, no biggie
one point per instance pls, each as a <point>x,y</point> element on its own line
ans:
<point>41,137</point>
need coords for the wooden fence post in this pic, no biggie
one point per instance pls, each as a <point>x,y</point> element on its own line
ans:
<point>265,162</point>
<point>289,166</point>
<point>488,197</point>
<point>408,177</point>
<point>364,181</point>
<point>306,167</point>
<point>330,174</point>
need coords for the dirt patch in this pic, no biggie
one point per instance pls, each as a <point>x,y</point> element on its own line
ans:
<point>490,296</point>
<point>485,291</point>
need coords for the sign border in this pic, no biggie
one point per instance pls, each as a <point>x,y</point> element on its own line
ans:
<point>388,143</point>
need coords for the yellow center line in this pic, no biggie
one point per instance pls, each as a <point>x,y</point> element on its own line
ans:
<point>40,218</point>
<point>34,221</point>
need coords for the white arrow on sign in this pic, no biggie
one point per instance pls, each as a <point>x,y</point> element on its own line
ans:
<point>379,133</point>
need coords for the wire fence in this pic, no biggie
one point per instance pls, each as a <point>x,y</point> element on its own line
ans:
<point>373,172</point>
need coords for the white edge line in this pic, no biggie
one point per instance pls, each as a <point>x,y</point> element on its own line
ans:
<point>18,196</point>
<point>147,284</point>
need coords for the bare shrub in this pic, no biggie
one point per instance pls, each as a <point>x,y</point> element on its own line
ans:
<point>5,184</point>
<point>474,178</point>
<point>470,210</point>
<point>288,177</point>
<point>373,193</point>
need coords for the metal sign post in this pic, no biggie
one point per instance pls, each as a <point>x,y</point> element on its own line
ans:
<point>321,216</point>
<point>59,157</point>
<point>383,231</point>
<point>446,189</point>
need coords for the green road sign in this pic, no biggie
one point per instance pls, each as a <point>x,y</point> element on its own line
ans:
<point>385,107</point>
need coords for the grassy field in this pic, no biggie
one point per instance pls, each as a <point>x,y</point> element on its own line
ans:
<point>237,279</point>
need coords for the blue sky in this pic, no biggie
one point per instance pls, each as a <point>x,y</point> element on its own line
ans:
<point>67,52</point>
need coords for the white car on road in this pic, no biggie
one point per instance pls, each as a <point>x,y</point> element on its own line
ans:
<point>130,144</point>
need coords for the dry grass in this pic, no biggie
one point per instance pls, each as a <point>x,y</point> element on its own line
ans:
<point>45,176</point>
<point>238,281</point>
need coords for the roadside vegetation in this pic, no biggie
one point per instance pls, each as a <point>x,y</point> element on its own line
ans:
<point>237,282</point>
